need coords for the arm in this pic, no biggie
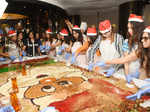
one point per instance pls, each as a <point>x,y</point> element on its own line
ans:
<point>131,57</point>
<point>4,54</point>
<point>70,26</point>
<point>83,48</point>
<point>98,53</point>
<point>126,65</point>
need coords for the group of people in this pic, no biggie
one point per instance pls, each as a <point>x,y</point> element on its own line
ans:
<point>103,51</point>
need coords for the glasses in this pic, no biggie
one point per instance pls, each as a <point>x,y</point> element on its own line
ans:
<point>145,38</point>
<point>105,33</point>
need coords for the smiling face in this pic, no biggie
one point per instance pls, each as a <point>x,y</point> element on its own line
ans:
<point>31,35</point>
<point>75,34</point>
<point>146,40</point>
<point>20,36</point>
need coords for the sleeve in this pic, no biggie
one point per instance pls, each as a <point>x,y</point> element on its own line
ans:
<point>120,41</point>
<point>125,46</point>
<point>119,44</point>
<point>93,49</point>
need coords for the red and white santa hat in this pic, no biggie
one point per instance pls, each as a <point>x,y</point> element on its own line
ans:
<point>104,26</point>
<point>64,32</point>
<point>136,18</point>
<point>49,31</point>
<point>147,29</point>
<point>76,27</point>
<point>91,32</point>
<point>11,33</point>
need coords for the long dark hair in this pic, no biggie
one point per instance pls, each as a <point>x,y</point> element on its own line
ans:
<point>50,38</point>
<point>67,39</point>
<point>138,28</point>
<point>80,38</point>
<point>92,39</point>
<point>144,55</point>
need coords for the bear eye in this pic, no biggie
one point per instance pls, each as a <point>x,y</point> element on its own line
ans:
<point>64,83</point>
<point>48,88</point>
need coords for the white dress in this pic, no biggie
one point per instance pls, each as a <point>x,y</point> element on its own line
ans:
<point>81,60</point>
<point>134,65</point>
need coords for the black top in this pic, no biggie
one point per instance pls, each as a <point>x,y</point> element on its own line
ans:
<point>32,48</point>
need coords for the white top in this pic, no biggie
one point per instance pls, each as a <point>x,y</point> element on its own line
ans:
<point>75,46</point>
<point>108,50</point>
<point>134,65</point>
<point>13,50</point>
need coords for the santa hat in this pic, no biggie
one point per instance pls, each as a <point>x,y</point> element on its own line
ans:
<point>134,17</point>
<point>64,32</point>
<point>83,26</point>
<point>49,31</point>
<point>76,27</point>
<point>91,32</point>
<point>104,26</point>
<point>147,29</point>
<point>11,32</point>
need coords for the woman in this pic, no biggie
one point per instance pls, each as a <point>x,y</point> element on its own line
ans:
<point>46,44</point>
<point>62,44</point>
<point>13,48</point>
<point>33,48</point>
<point>135,28</point>
<point>21,42</point>
<point>110,47</point>
<point>142,53</point>
<point>78,42</point>
<point>92,36</point>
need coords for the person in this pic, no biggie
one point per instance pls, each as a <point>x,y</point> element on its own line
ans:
<point>135,28</point>
<point>109,44</point>
<point>62,44</point>
<point>32,45</point>
<point>143,54</point>
<point>21,43</point>
<point>46,45</point>
<point>37,37</point>
<point>13,48</point>
<point>78,42</point>
<point>2,54</point>
<point>92,36</point>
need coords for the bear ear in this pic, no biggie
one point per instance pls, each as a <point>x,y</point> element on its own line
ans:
<point>47,80</point>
